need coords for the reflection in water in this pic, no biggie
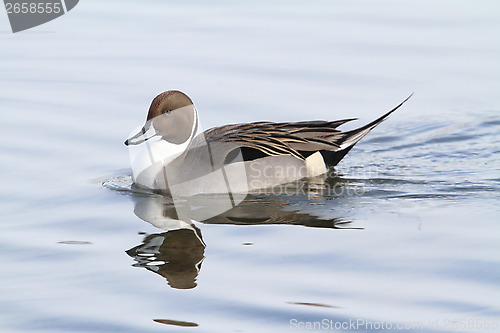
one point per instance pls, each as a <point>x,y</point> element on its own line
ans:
<point>321,305</point>
<point>258,211</point>
<point>176,322</point>
<point>177,254</point>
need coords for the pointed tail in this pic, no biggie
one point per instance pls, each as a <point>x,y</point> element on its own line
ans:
<point>350,138</point>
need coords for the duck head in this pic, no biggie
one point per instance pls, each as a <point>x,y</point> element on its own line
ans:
<point>172,116</point>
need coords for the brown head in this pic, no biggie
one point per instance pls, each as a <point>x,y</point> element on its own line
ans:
<point>168,101</point>
<point>171,115</point>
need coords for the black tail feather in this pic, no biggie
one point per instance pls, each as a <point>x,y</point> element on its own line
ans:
<point>350,138</point>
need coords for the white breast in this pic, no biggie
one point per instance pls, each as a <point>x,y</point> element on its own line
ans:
<point>148,159</point>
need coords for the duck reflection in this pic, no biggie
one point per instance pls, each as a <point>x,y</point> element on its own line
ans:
<point>258,211</point>
<point>177,253</point>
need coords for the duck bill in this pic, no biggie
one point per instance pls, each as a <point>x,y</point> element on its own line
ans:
<point>143,135</point>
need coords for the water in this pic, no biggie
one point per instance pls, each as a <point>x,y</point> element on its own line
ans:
<point>405,233</point>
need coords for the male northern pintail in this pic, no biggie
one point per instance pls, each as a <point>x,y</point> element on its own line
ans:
<point>237,158</point>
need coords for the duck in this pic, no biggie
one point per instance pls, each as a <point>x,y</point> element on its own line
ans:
<point>169,156</point>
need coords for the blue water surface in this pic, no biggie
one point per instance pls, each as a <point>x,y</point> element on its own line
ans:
<point>404,236</point>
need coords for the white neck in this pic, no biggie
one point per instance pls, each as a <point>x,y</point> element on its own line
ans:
<point>150,157</point>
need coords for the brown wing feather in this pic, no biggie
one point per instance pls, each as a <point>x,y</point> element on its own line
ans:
<point>281,138</point>
<point>299,139</point>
